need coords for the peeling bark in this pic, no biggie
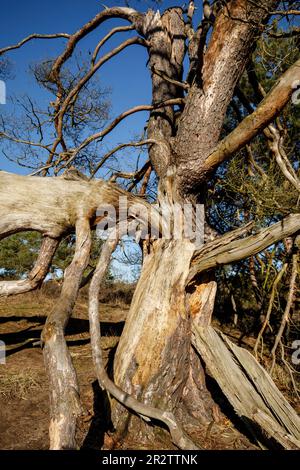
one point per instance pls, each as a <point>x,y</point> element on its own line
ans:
<point>166,36</point>
<point>199,127</point>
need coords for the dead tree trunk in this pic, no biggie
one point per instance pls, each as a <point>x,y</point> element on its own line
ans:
<point>154,361</point>
<point>156,366</point>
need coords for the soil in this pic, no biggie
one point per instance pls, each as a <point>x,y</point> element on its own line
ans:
<point>24,414</point>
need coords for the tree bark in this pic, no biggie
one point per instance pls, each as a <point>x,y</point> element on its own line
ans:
<point>157,370</point>
<point>53,205</point>
<point>145,411</point>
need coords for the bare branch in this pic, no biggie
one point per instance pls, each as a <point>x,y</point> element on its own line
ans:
<point>128,14</point>
<point>52,207</point>
<point>144,172</point>
<point>34,36</point>
<point>26,142</point>
<point>65,404</point>
<point>273,135</point>
<point>113,31</point>
<point>282,160</point>
<point>162,75</point>
<point>285,34</point>
<point>119,147</point>
<point>285,12</point>
<point>145,181</point>
<point>270,307</point>
<point>75,91</point>
<point>135,175</point>
<point>286,314</point>
<point>117,120</point>
<point>43,169</point>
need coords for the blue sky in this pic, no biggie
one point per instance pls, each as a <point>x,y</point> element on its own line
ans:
<point>126,74</point>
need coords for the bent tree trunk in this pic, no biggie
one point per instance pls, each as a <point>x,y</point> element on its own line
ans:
<point>154,361</point>
<point>64,390</point>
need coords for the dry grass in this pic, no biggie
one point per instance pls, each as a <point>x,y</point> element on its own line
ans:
<point>19,384</point>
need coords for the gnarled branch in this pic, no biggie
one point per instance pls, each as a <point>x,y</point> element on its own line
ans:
<point>119,147</point>
<point>75,91</point>
<point>34,36</point>
<point>178,435</point>
<point>52,205</point>
<point>64,390</point>
<point>128,14</point>
<point>116,121</point>
<point>101,43</point>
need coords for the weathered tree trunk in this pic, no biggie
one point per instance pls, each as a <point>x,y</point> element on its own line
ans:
<point>154,359</point>
<point>144,410</point>
<point>64,391</point>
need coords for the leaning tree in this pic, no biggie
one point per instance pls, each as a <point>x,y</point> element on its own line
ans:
<point>168,342</point>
